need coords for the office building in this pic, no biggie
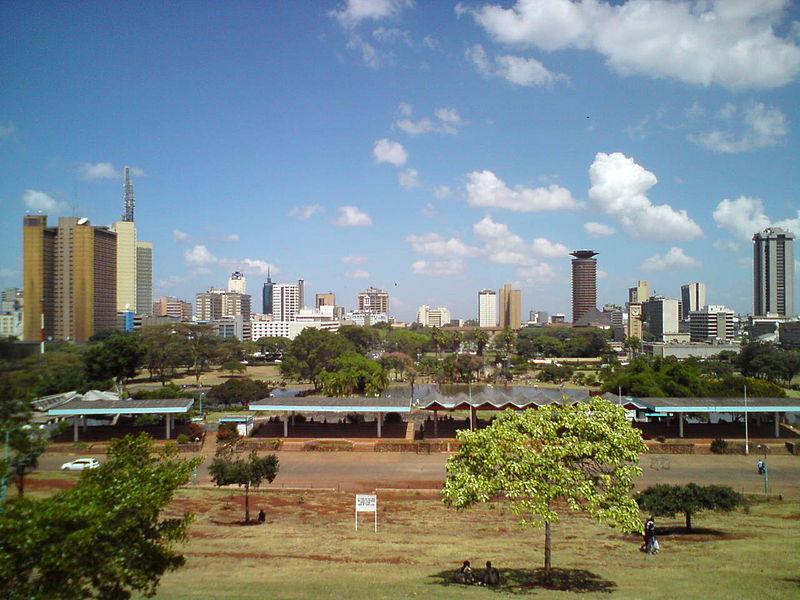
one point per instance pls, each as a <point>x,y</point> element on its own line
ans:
<point>773,272</point>
<point>69,275</point>
<point>635,321</point>
<point>662,316</point>
<point>433,317</point>
<point>286,300</point>
<point>237,283</point>
<point>167,306</point>
<point>711,323</point>
<point>693,298</point>
<point>266,295</point>
<point>584,282</point>
<point>510,308</point>
<point>487,308</point>
<point>208,305</point>
<point>373,300</point>
<point>365,318</point>
<point>639,293</point>
<point>134,287</point>
<point>328,299</point>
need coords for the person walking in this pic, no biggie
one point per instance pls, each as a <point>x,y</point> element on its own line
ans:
<point>650,543</point>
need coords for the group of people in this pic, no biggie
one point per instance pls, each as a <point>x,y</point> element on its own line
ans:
<point>490,575</point>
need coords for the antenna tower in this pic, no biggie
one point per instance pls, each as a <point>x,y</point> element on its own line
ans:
<point>130,201</point>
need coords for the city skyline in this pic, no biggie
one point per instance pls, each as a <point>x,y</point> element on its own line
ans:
<point>428,149</point>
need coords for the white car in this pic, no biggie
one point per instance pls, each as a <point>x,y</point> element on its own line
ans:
<point>80,464</point>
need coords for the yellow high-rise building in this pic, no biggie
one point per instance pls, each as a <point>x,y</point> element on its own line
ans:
<point>510,307</point>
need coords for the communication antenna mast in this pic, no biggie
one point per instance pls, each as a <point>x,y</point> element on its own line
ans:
<point>130,201</point>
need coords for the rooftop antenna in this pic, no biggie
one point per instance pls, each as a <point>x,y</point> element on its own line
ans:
<point>130,201</point>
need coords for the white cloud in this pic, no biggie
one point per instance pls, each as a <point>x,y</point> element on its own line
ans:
<point>538,272</point>
<point>369,54</point>
<point>745,216</point>
<point>354,260</point>
<point>597,229</point>
<point>484,188</point>
<point>392,35</point>
<point>619,188</point>
<point>7,131</point>
<point>447,121</point>
<point>199,256</point>
<point>306,211</point>
<point>762,126</point>
<point>357,274</point>
<point>387,151</point>
<point>353,12</point>
<point>254,266</point>
<point>442,191</point>
<point>502,246</point>
<point>546,248</point>
<point>704,42</point>
<point>432,243</point>
<point>438,268</point>
<point>517,70</point>
<point>429,210</point>
<point>351,216</point>
<point>40,202</point>
<point>728,245</point>
<point>101,170</point>
<point>673,260</point>
<point>180,236</point>
<point>409,178</point>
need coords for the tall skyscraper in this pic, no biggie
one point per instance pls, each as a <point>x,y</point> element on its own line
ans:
<point>134,259</point>
<point>693,298</point>
<point>374,300</point>
<point>487,308</point>
<point>510,307</point>
<point>773,272</point>
<point>584,282</point>
<point>266,295</point>
<point>285,301</point>
<point>662,316</point>
<point>640,293</point>
<point>69,279</point>
<point>237,282</point>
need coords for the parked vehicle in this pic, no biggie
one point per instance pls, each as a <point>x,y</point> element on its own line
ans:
<point>80,464</point>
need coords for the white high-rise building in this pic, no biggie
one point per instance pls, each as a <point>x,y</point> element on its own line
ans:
<point>237,282</point>
<point>711,323</point>
<point>487,308</point>
<point>433,317</point>
<point>693,297</point>
<point>285,301</point>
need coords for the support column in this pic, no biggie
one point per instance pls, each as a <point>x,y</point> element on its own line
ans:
<point>378,420</point>
<point>285,426</point>
<point>435,423</point>
<point>167,419</point>
<point>777,425</point>
<point>75,420</point>
<point>680,425</point>
<point>472,418</point>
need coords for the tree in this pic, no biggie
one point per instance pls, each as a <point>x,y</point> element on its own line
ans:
<point>407,342</point>
<point>310,353</point>
<point>239,391</point>
<point>118,357</point>
<point>26,445</point>
<point>353,373</point>
<point>363,339</point>
<point>667,500</point>
<point>200,344</point>
<point>542,461</point>
<point>273,347</point>
<point>504,341</point>
<point>105,537</point>
<point>162,351</point>
<point>228,468</point>
<point>233,366</point>
<point>398,362</point>
<point>481,338</point>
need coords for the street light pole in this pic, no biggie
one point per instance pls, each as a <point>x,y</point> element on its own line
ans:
<point>746,437</point>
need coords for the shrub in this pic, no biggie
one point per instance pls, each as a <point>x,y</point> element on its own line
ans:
<point>719,446</point>
<point>144,420</point>
<point>393,417</point>
<point>299,418</point>
<point>183,438</point>
<point>195,431</point>
<point>227,432</point>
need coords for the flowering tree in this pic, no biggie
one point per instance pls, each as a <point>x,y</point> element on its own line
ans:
<point>540,461</point>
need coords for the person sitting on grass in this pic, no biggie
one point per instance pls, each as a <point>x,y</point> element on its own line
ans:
<point>491,576</point>
<point>464,574</point>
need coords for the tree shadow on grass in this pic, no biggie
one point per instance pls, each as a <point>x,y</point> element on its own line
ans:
<point>525,581</point>
<point>679,530</point>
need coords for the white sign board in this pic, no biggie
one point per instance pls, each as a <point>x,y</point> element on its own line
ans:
<point>367,503</point>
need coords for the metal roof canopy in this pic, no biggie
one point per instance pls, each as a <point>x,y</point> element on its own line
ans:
<point>81,407</point>
<point>499,399</point>
<point>337,405</point>
<point>723,405</point>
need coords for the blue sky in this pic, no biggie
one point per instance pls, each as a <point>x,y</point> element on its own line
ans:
<point>429,148</point>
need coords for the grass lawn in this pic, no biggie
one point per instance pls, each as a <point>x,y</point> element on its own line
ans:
<point>309,549</point>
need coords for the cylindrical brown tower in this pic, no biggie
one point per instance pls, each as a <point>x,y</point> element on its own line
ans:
<point>584,282</point>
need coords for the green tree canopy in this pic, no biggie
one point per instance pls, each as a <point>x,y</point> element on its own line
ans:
<point>363,339</point>
<point>119,357</point>
<point>228,468</point>
<point>238,391</point>
<point>105,538</point>
<point>273,347</point>
<point>667,500</point>
<point>310,354</point>
<point>542,461</point>
<point>407,342</point>
<point>351,373</point>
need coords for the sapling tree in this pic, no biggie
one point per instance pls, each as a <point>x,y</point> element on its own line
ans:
<point>228,467</point>
<point>668,500</point>
<point>542,461</point>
